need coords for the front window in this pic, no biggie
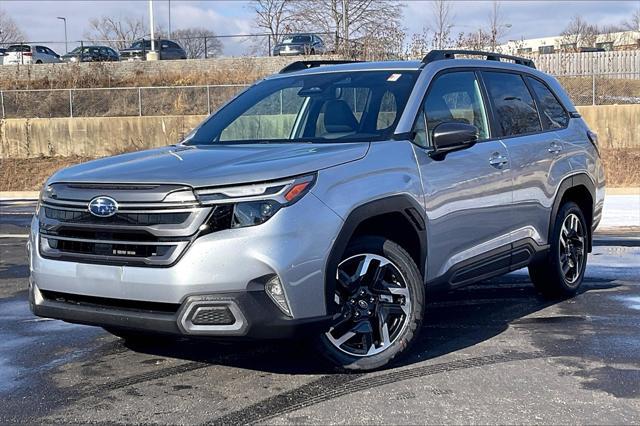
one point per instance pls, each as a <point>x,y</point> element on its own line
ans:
<point>324,107</point>
<point>453,97</point>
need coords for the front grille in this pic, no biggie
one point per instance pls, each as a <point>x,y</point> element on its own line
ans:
<point>213,315</point>
<point>145,231</point>
<point>127,219</point>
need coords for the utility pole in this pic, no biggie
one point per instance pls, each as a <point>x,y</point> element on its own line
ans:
<point>66,45</point>
<point>152,55</point>
<point>170,20</point>
<point>345,23</point>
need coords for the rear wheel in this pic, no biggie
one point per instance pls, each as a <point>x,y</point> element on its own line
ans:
<point>561,272</point>
<point>380,300</point>
<point>38,61</point>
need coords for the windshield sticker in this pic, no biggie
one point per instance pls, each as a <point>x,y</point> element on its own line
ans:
<point>394,77</point>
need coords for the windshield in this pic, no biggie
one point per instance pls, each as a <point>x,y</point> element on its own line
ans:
<point>296,39</point>
<point>324,107</point>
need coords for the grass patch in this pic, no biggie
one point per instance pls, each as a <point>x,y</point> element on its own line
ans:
<point>29,174</point>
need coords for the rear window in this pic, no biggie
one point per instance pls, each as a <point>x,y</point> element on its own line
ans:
<point>514,107</point>
<point>297,39</point>
<point>19,48</point>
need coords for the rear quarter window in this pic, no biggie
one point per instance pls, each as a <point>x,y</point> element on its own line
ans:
<point>552,113</point>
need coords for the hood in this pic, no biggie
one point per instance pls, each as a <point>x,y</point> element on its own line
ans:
<point>199,166</point>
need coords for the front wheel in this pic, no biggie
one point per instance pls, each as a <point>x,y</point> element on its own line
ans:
<point>379,298</point>
<point>561,272</point>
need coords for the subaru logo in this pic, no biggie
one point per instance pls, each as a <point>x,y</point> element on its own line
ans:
<point>103,206</point>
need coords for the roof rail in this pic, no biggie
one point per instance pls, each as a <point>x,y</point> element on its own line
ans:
<point>437,55</point>
<point>303,65</point>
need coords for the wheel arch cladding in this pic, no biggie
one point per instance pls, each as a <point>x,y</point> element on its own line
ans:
<point>580,189</point>
<point>399,218</point>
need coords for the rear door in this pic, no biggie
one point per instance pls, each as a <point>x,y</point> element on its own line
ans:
<point>468,193</point>
<point>534,149</point>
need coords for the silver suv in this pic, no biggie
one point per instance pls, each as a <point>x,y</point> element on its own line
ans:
<point>322,202</point>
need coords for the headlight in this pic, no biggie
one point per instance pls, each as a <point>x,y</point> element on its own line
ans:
<point>45,192</point>
<point>253,204</point>
<point>253,213</point>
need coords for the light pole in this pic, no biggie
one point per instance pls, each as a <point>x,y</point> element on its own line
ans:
<point>169,19</point>
<point>66,46</point>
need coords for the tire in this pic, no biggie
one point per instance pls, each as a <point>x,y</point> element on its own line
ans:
<point>38,61</point>
<point>560,273</point>
<point>391,287</point>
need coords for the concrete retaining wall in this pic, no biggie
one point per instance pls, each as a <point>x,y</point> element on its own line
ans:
<point>618,126</point>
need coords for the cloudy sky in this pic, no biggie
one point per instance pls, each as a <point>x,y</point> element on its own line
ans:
<point>528,19</point>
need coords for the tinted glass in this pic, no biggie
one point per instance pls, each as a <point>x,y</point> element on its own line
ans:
<point>456,96</point>
<point>325,107</point>
<point>19,48</point>
<point>514,108</point>
<point>552,113</point>
<point>297,39</point>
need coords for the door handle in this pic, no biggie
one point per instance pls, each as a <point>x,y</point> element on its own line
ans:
<point>498,160</point>
<point>554,148</point>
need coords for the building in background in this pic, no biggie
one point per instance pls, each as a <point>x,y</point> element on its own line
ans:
<point>624,40</point>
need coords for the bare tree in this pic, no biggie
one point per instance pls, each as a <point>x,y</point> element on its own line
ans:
<point>9,31</point>
<point>443,17</point>
<point>275,17</point>
<point>497,27</point>
<point>419,44</point>
<point>633,24</point>
<point>578,33</point>
<point>198,41</point>
<point>476,40</point>
<point>116,32</point>
<point>353,23</point>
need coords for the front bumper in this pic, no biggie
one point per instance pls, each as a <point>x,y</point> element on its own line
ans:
<point>230,266</point>
<point>255,316</point>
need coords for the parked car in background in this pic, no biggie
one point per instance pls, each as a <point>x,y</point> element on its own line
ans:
<point>299,44</point>
<point>30,54</point>
<point>91,54</point>
<point>166,49</point>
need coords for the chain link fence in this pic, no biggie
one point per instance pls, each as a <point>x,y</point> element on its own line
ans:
<point>602,89</point>
<point>596,89</point>
<point>116,102</point>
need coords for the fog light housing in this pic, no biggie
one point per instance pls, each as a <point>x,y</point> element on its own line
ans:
<point>275,291</point>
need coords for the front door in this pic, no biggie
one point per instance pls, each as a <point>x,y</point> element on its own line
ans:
<point>468,193</point>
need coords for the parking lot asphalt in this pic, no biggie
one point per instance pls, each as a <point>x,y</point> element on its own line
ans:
<point>494,352</point>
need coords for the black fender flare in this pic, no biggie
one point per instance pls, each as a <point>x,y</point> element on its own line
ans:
<point>580,179</point>
<point>403,204</point>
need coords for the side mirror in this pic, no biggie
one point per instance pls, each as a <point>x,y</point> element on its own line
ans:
<point>452,136</point>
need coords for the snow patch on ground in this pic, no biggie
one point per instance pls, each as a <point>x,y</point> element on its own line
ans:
<point>620,210</point>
